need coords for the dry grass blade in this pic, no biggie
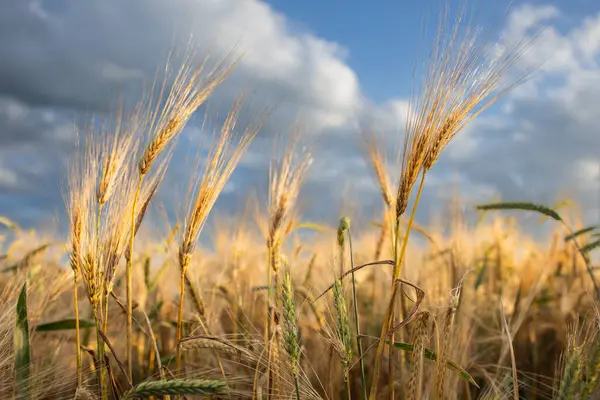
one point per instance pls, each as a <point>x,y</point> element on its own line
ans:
<point>114,353</point>
<point>307,295</point>
<point>415,309</point>
<point>355,269</point>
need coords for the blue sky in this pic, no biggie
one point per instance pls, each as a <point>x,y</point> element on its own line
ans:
<point>378,36</point>
<point>334,62</point>
<point>382,35</point>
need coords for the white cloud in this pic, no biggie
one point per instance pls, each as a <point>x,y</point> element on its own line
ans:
<point>80,55</point>
<point>546,139</point>
<point>8,178</point>
<point>587,38</point>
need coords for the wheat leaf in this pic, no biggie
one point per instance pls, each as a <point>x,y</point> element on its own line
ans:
<point>589,247</point>
<point>64,324</point>
<point>480,276</point>
<point>524,206</point>
<point>579,233</point>
<point>21,347</point>
<point>431,356</point>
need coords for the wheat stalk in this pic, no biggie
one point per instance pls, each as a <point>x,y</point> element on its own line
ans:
<point>190,89</point>
<point>220,164</point>
<point>285,180</point>
<point>461,81</point>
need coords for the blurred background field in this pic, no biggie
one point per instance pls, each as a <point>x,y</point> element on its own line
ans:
<point>541,282</point>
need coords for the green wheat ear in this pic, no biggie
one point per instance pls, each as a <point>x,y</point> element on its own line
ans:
<point>176,387</point>
<point>343,226</point>
<point>290,335</point>
<point>343,321</point>
<point>292,345</point>
<point>571,379</point>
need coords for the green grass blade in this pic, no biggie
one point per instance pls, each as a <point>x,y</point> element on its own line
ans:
<point>166,361</point>
<point>579,233</point>
<point>147,273</point>
<point>523,206</point>
<point>21,347</point>
<point>480,276</point>
<point>176,387</point>
<point>431,356</point>
<point>64,324</point>
<point>589,247</point>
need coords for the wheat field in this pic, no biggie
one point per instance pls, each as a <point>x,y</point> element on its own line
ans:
<point>127,305</point>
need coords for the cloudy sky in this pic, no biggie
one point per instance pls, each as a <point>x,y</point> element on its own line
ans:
<point>330,64</point>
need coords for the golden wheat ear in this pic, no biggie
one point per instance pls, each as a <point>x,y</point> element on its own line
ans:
<point>191,87</point>
<point>231,144</point>
<point>375,156</point>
